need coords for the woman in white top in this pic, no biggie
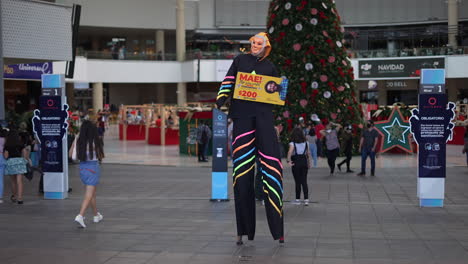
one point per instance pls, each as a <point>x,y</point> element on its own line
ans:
<point>299,158</point>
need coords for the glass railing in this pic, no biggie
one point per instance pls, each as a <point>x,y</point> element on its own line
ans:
<point>229,55</point>
<point>190,55</point>
<point>441,51</point>
<point>107,55</point>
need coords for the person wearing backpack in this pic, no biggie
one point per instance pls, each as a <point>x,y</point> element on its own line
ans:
<point>203,138</point>
<point>299,158</point>
<point>312,140</point>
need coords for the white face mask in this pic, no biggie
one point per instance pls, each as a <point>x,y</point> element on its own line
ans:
<point>257,46</point>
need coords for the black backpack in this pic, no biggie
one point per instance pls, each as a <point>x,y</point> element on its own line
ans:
<point>300,160</point>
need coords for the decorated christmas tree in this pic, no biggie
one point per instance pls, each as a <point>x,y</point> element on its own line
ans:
<point>308,49</point>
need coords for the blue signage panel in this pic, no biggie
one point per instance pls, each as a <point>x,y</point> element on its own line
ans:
<point>219,184</point>
<point>53,81</point>
<point>433,76</point>
<point>50,126</point>
<point>31,71</point>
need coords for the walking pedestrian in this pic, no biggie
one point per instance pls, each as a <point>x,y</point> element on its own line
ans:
<point>318,127</point>
<point>347,146</point>
<point>465,147</point>
<point>15,165</point>
<point>203,139</point>
<point>312,140</point>
<point>299,159</point>
<point>89,150</point>
<point>3,135</point>
<point>367,146</point>
<point>332,144</point>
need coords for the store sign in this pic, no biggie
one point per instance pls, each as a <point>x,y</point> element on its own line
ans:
<point>31,71</point>
<point>398,68</point>
<point>396,84</point>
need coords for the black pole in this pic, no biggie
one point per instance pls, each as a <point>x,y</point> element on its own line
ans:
<point>2,89</point>
<point>76,14</point>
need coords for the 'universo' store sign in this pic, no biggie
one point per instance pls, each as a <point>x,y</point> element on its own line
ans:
<point>401,68</point>
<point>31,71</point>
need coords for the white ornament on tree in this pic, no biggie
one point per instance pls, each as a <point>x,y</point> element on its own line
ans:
<point>338,43</point>
<point>314,85</point>
<point>298,27</point>
<point>314,21</point>
<point>327,94</point>
<point>347,85</point>
<point>287,6</point>
<point>309,66</point>
<point>271,30</point>
<point>324,5</point>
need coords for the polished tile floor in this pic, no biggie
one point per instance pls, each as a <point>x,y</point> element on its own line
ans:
<point>139,152</point>
<point>161,213</point>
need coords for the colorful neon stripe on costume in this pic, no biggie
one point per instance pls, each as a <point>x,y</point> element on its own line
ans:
<point>273,203</point>
<point>243,146</point>
<point>243,163</point>
<point>271,158</point>
<point>242,135</point>
<point>229,77</point>
<point>241,174</point>
<point>245,155</point>
<point>224,86</point>
<point>274,179</point>
<point>271,168</point>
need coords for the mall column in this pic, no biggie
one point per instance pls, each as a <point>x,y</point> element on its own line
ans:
<point>432,127</point>
<point>180,45</point>
<point>98,97</point>
<point>50,124</point>
<point>452,9</point>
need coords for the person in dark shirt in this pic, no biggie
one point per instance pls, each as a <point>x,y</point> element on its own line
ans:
<point>347,146</point>
<point>368,146</point>
<point>254,134</point>
<point>15,164</point>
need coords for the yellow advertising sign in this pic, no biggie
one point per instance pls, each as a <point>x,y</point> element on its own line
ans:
<point>260,88</point>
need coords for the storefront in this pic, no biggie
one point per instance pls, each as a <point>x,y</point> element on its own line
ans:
<point>392,80</point>
<point>23,85</point>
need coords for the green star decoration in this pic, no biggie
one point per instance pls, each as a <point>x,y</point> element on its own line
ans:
<point>395,132</point>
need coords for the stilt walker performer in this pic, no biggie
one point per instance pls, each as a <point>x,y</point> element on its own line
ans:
<point>254,134</point>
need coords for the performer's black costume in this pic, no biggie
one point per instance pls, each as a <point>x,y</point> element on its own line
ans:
<point>254,134</point>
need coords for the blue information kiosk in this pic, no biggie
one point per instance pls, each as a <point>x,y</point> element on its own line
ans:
<point>432,127</point>
<point>50,127</point>
<point>219,178</point>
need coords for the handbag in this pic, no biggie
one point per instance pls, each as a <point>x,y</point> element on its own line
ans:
<point>72,153</point>
<point>300,160</point>
<point>29,171</point>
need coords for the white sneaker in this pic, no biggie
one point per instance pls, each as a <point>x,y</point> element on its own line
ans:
<point>297,201</point>
<point>79,219</point>
<point>306,202</point>
<point>98,218</point>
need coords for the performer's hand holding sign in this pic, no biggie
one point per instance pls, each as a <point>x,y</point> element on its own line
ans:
<point>253,84</point>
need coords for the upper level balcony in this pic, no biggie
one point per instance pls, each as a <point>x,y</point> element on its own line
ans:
<point>228,55</point>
